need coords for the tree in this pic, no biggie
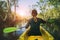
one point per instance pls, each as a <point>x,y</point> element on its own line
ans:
<point>52,15</point>
<point>54,2</point>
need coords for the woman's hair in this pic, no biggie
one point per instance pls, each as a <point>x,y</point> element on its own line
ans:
<point>34,11</point>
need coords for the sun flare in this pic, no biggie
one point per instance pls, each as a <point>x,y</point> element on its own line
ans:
<point>21,13</point>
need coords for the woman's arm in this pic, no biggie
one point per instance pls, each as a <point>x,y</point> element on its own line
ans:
<point>27,24</point>
<point>45,22</point>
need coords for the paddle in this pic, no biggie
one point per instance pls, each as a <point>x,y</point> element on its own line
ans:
<point>9,29</point>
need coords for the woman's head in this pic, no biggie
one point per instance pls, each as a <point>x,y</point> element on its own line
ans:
<point>34,13</point>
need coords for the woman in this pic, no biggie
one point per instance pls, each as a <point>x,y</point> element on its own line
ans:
<point>34,24</point>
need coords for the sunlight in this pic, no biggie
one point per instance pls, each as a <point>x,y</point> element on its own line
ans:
<point>21,13</point>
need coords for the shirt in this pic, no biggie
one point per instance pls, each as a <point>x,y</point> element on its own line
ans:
<point>35,26</point>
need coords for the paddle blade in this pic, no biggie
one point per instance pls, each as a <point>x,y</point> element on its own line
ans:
<point>9,29</point>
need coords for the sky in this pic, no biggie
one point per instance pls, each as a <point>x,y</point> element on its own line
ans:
<point>24,7</point>
<point>27,2</point>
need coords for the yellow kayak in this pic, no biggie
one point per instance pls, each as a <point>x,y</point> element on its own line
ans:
<point>45,35</point>
<point>35,38</point>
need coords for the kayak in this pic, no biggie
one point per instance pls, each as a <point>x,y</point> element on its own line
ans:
<point>35,38</point>
<point>45,35</point>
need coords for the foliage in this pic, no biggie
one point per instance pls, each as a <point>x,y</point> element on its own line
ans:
<point>3,10</point>
<point>54,2</point>
<point>51,15</point>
